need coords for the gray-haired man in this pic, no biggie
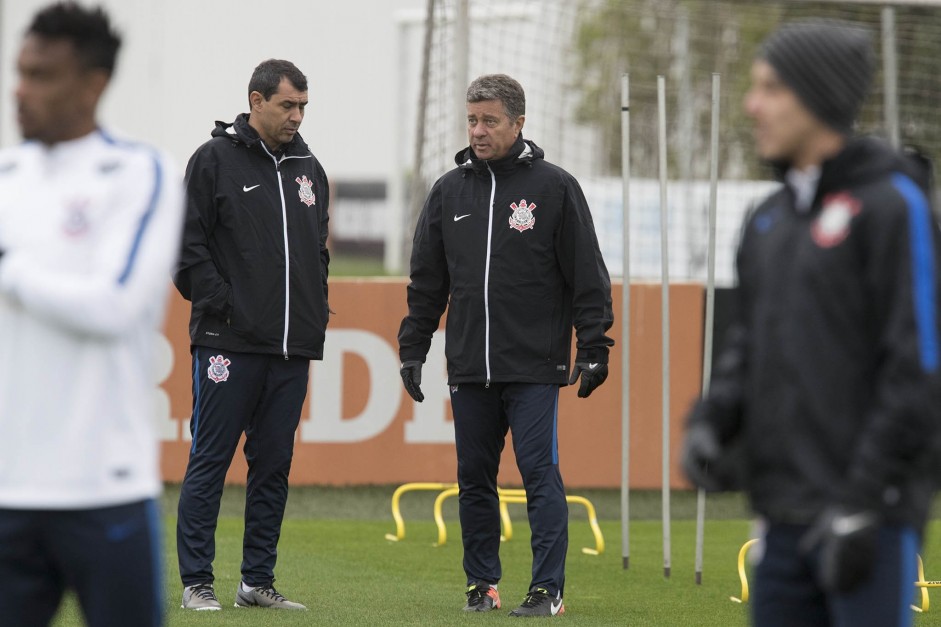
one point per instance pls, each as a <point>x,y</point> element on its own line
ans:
<point>506,242</point>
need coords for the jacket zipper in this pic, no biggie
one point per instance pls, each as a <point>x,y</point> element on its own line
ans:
<point>493,191</point>
<point>287,250</point>
<point>287,263</point>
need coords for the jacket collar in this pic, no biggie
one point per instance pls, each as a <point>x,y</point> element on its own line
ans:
<point>241,131</point>
<point>863,159</point>
<point>523,153</point>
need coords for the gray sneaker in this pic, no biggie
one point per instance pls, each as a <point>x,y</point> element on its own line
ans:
<point>200,597</point>
<point>264,596</point>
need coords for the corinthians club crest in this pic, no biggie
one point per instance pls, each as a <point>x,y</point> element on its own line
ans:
<point>218,368</point>
<point>306,191</point>
<point>833,224</point>
<point>522,218</point>
<point>76,220</point>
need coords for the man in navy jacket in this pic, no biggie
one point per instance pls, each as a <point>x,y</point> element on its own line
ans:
<point>254,264</point>
<point>505,241</point>
<point>830,375</point>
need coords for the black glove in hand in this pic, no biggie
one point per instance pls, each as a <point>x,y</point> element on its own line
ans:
<point>846,540</point>
<point>411,377</point>
<point>593,375</point>
<point>701,452</point>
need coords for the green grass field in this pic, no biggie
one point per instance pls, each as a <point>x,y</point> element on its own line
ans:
<point>355,266</point>
<point>333,557</point>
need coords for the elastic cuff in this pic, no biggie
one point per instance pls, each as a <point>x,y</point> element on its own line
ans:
<point>598,355</point>
<point>404,358</point>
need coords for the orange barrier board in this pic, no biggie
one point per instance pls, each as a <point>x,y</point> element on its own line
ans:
<point>360,427</point>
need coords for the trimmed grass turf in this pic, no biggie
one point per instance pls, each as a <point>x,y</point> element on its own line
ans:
<point>348,574</point>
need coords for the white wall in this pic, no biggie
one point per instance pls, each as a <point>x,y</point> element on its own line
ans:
<point>186,63</point>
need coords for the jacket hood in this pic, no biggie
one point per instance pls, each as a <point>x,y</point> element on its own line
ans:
<point>523,152</point>
<point>863,159</point>
<point>241,131</point>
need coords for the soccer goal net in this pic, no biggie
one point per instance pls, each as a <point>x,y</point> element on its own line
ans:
<point>570,55</point>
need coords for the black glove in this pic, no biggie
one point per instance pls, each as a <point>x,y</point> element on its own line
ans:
<point>846,539</point>
<point>701,453</point>
<point>593,375</point>
<point>411,377</point>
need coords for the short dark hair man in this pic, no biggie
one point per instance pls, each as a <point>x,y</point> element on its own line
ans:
<point>254,264</point>
<point>506,242</point>
<point>830,375</point>
<point>89,226</point>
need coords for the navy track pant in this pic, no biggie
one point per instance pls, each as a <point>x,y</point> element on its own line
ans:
<point>262,396</point>
<point>482,416</point>
<point>110,556</point>
<point>786,592</point>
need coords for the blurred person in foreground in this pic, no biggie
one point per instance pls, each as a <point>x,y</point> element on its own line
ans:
<point>506,242</point>
<point>89,226</point>
<point>254,265</point>
<point>829,377</point>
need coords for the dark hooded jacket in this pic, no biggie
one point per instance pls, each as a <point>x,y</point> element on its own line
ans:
<point>254,255</point>
<point>829,378</point>
<point>508,246</point>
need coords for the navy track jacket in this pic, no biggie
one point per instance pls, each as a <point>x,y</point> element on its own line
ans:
<point>254,258</point>
<point>830,375</point>
<point>508,246</point>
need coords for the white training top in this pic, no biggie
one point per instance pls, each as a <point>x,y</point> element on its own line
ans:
<point>90,229</point>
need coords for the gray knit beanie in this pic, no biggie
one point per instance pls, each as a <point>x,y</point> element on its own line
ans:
<point>828,64</point>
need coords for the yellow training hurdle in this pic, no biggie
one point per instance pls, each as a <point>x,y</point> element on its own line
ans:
<point>921,584</point>
<point>742,575</point>
<point>519,496</point>
<point>397,497</point>
<point>439,517</point>
<point>514,495</point>
<point>446,487</point>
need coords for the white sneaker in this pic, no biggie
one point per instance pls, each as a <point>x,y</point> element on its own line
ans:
<point>200,597</point>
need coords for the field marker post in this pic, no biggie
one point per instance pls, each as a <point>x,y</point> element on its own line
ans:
<point>890,72</point>
<point>625,321</point>
<point>665,318</point>
<point>710,299</point>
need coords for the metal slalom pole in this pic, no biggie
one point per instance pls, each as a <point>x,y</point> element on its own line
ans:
<point>665,319</point>
<point>890,72</point>
<point>625,322</point>
<point>710,299</point>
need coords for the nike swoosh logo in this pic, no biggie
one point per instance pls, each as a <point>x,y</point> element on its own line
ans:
<point>555,605</point>
<point>246,188</point>
<point>457,218</point>
<point>592,366</point>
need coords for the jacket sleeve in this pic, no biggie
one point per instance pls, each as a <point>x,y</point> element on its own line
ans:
<point>586,276</point>
<point>723,406</point>
<point>196,275</point>
<point>902,270</point>
<point>125,282</point>
<point>429,284</point>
